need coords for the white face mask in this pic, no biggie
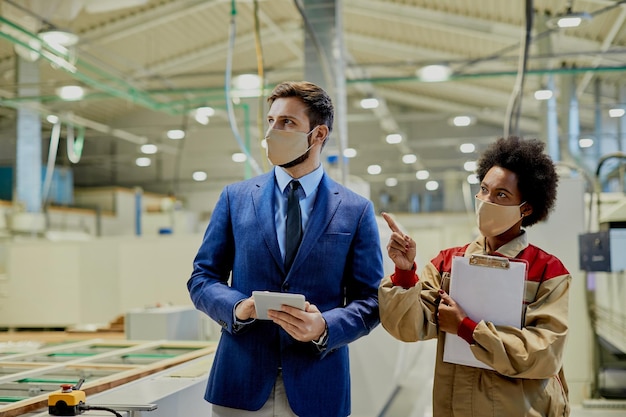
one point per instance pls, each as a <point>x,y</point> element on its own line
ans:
<point>284,146</point>
<point>495,219</point>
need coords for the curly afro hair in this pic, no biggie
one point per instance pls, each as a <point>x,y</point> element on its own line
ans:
<point>536,176</point>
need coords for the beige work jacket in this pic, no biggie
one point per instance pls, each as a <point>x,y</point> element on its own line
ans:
<point>527,379</point>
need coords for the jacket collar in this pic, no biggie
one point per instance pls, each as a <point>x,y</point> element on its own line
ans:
<point>509,250</point>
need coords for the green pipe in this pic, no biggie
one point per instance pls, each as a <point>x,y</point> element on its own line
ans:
<point>71,354</point>
<point>541,71</point>
<point>47,381</point>
<point>131,93</point>
<point>148,355</point>
<point>11,399</point>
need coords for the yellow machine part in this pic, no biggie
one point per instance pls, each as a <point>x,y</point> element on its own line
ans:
<point>72,398</point>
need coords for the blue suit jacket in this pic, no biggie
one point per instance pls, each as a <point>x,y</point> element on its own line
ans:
<point>338,268</point>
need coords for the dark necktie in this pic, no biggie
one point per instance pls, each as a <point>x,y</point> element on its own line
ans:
<point>294,224</point>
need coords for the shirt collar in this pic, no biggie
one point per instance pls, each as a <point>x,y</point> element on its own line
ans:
<point>309,182</point>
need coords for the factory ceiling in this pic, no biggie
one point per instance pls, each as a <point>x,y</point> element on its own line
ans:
<point>147,65</point>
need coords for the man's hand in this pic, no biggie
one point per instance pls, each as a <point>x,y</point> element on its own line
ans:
<point>401,248</point>
<point>304,326</point>
<point>245,310</point>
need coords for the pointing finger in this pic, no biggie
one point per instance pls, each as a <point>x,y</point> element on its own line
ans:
<point>391,223</point>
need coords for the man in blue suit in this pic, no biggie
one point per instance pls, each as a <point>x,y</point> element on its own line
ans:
<point>296,363</point>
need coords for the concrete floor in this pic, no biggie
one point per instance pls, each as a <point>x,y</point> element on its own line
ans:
<point>414,395</point>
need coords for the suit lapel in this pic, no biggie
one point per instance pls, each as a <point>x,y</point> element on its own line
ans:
<point>263,202</point>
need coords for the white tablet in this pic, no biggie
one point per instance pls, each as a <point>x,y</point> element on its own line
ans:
<point>266,300</point>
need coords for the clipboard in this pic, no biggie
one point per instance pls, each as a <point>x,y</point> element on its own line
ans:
<point>489,288</point>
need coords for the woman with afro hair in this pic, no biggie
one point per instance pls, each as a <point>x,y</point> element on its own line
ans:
<point>518,185</point>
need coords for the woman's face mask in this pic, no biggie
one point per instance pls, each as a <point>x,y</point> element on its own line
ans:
<point>495,219</point>
<point>284,146</point>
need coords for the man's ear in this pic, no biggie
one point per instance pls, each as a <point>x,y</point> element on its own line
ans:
<point>321,133</point>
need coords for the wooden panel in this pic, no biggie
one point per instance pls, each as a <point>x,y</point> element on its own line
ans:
<point>115,356</point>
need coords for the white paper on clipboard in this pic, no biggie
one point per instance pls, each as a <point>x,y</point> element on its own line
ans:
<point>489,288</point>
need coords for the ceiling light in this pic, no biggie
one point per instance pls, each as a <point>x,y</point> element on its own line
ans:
<point>175,134</point>
<point>434,73</point>
<point>462,121</point>
<point>199,176</point>
<point>239,157</point>
<point>467,148</point>
<point>472,179</point>
<point>585,142</point>
<point>543,94</point>
<point>247,85</point>
<point>149,149</point>
<point>369,103</point>
<point>470,166</point>
<point>569,19</point>
<point>31,52</point>
<point>572,20</point>
<point>616,112</point>
<point>56,38</point>
<point>143,162</point>
<point>422,174</point>
<point>374,169</point>
<point>409,158</point>
<point>202,114</point>
<point>432,185</point>
<point>349,152</point>
<point>391,182</point>
<point>393,138</point>
<point>71,92</point>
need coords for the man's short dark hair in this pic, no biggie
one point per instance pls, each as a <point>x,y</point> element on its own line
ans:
<point>319,104</point>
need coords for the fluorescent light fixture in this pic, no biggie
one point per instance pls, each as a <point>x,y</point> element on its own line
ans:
<point>247,85</point>
<point>470,166</point>
<point>616,112</point>
<point>349,152</point>
<point>59,38</point>
<point>543,94</point>
<point>52,119</point>
<point>30,53</point>
<point>149,149</point>
<point>572,20</point>
<point>569,19</point>
<point>199,176</point>
<point>422,174</point>
<point>393,138</point>
<point>391,182</point>
<point>369,103</point>
<point>467,148</point>
<point>374,169</point>
<point>472,179</point>
<point>409,158</point>
<point>462,121</point>
<point>432,185</point>
<point>239,157</point>
<point>434,73</point>
<point>202,114</point>
<point>143,162</point>
<point>71,92</point>
<point>585,142</point>
<point>175,134</point>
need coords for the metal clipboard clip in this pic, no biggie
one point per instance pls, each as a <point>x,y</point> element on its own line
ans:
<point>489,261</point>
